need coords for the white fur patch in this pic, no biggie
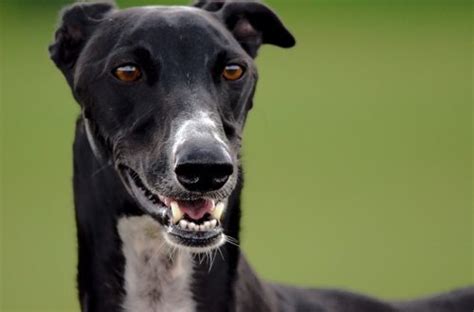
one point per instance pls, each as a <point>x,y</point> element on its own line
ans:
<point>157,277</point>
<point>201,125</point>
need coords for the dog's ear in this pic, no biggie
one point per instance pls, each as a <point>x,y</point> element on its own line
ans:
<point>78,21</point>
<point>251,23</point>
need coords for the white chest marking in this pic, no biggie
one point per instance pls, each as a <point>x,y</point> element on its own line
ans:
<point>157,278</point>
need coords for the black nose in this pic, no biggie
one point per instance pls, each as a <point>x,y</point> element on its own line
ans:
<point>202,167</point>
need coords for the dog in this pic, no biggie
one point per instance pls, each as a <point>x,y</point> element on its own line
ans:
<point>164,94</point>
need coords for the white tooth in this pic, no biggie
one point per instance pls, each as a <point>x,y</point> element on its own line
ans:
<point>192,226</point>
<point>213,204</point>
<point>201,228</point>
<point>217,213</point>
<point>207,225</point>
<point>183,223</point>
<point>213,223</point>
<point>177,214</point>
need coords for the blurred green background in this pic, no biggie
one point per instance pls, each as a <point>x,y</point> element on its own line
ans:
<point>357,153</point>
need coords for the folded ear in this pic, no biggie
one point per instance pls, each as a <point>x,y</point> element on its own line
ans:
<point>251,23</point>
<point>78,21</point>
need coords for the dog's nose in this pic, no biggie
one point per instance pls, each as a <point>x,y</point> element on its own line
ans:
<point>203,167</point>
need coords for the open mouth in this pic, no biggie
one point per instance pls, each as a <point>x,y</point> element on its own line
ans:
<point>194,224</point>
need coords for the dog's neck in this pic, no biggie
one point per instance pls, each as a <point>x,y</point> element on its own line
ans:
<point>156,276</point>
<point>103,207</point>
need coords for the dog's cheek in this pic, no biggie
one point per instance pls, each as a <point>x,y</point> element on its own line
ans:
<point>242,103</point>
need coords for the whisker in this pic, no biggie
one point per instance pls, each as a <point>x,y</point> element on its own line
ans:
<point>220,252</point>
<point>201,258</point>
<point>211,259</point>
<point>172,253</point>
<point>231,240</point>
<point>101,169</point>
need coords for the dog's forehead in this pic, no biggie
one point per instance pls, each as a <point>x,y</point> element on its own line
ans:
<point>168,22</point>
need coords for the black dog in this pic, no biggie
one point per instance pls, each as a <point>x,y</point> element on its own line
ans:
<point>164,93</point>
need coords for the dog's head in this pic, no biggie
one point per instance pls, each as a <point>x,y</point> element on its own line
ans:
<point>164,93</point>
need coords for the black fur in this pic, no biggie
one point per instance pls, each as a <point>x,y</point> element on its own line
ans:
<point>131,126</point>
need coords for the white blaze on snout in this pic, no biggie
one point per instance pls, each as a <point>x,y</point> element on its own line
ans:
<point>199,126</point>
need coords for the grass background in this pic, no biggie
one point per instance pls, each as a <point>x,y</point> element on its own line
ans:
<point>358,152</point>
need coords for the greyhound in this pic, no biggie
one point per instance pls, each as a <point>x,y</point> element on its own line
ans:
<point>164,92</point>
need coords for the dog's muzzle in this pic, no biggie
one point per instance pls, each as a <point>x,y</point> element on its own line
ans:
<point>201,177</point>
<point>192,217</point>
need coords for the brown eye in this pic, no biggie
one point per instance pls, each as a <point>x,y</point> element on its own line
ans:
<point>233,72</point>
<point>128,73</point>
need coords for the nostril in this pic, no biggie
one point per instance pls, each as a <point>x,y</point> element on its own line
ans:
<point>221,179</point>
<point>188,178</point>
<point>221,171</point>
<point>187,171</point>
<point>186,174</point>
<point>203,177</point>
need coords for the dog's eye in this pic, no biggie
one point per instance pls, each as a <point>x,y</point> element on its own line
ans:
<point>127,73</point>
<point>233,72</point>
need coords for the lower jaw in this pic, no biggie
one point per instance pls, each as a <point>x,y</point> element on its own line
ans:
<point>193,240</point>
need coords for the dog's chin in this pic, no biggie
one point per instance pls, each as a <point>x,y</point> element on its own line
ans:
<point>193,225</point>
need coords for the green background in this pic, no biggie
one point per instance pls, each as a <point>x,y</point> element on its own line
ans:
<point>357,153</point>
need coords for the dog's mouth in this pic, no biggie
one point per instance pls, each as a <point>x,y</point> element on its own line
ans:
<point>194,224</point>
